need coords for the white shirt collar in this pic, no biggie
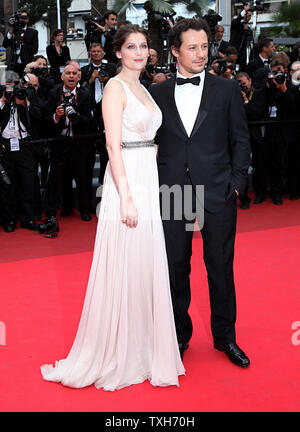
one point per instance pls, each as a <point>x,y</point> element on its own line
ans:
<point>73,91</point>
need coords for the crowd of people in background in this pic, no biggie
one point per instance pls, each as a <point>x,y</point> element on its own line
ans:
<point>48,103</point>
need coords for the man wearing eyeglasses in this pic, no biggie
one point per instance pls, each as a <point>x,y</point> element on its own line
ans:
<point>22,40</point>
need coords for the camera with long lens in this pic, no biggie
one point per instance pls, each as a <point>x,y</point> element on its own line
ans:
<point>243,87</point>
<point>103,68</point>
<point>212,19</point>
<point>257,6</point>
<point>278,76</point>
<point>220,66</point>
<point>17,22</point>
<point>68,106</point>
<point>90,25</point>
<point>39,72</point>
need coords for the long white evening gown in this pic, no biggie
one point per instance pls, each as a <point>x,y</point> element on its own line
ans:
<point>126,333</point>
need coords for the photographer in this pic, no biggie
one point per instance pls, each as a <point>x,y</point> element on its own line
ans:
<point>149,71</point>
<point>68,112</point>
<point>103,34</point>
<point>39,68</point>
<point>255,107</point>
<point>96,75</point>
<point>241,35</point>
<point>58,54</point>
<point>282,103</point>
<point>19,115</point>
<point>266,49</point>
<point>219,46</point>
<point>22,40</point>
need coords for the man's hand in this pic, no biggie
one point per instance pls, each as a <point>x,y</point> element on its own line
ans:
<point>22,102</point>
<point>100,27</point>
<point>245,96</point>
<point>281,87</point>
<point>60,112</point>
<point>94,75</point>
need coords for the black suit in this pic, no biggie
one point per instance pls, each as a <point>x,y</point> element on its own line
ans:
<point>215,155</point>
<point>254,65</point>
<point>69,159</point>
<point>29,48</point>
<point>21,198</point>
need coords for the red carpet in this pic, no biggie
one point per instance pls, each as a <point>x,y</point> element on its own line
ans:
<point>43,284</point>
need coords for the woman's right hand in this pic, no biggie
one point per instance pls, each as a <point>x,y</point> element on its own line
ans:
<point>129,213</point>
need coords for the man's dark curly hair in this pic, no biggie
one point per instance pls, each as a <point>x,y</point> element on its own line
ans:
<point>175,34</point>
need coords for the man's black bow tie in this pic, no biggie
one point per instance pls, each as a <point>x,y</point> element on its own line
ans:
<point>195,80</point>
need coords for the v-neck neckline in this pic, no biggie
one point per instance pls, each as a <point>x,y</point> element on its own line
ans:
<point>153,103</point>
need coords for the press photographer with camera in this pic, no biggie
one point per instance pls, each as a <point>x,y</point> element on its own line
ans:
<point>39,68</point>
<point>95,32</point>
<point>19,115</point>
<point>22,40</point>
<point>58,54</point>
<point>255,107</point>
<point>283,105</point>
<point>218,46</point>
<point>96,74</point>
<point>266,49</point>
<point>68,112</point>
<point>241,35</point>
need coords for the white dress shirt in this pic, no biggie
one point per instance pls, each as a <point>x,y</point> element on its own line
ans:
<point>188,99</point>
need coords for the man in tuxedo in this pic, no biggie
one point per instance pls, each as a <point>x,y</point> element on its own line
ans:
<point>266,48</point>
<point>20,113</point>
<point>24,44</point>
<point>70,158</point>
<point>203,140</point>
<point>219,46</point>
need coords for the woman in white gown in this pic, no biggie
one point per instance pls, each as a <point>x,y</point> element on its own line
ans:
<point>126,333</point>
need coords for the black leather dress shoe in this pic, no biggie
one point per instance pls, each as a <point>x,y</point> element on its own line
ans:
<point>85,216</point>
<point>259,199</point>
<point>9,226</point>
<point>294,197</point>
<point>182,348</point>
<point>234,353</point>
<point>31,225</point>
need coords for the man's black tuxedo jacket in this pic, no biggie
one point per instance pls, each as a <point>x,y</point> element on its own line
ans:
<point>31,122</point>
<point>223,46</point>
<point>30,45</point>
<point>254,65</point>
<point>83,107</point>
<point>217,153</point>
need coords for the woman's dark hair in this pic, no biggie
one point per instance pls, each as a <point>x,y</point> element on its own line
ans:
<point>55,33</point>
<point>39,56</point>
<point>124,32</point>
<point>175,34</point>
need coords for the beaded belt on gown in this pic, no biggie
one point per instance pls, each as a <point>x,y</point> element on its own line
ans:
<point>136,144</point>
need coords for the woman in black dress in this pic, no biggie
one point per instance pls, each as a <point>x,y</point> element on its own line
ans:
<point>58,54</point>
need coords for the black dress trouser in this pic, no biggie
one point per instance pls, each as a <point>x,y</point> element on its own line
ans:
<point>19,198</point>
<point>218,234</point>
